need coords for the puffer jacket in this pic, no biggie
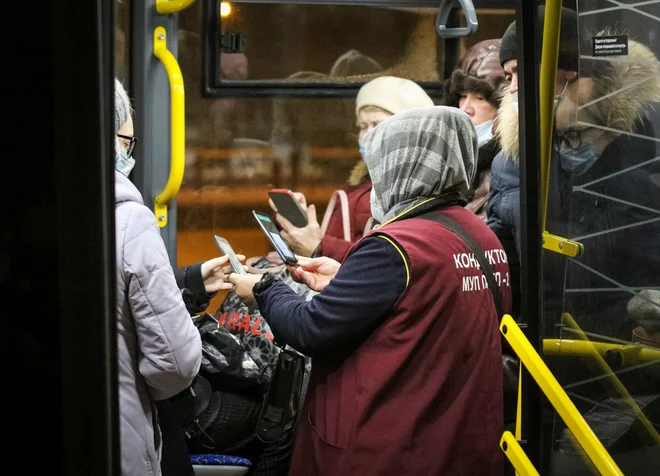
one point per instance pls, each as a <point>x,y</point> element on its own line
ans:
<point>158,347</point>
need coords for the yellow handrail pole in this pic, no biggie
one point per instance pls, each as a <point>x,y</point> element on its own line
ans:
<point>549,56</point>
<point>519,406</point>
<point>178,122</point>
<point>165,7</point>
<point>558,398</point>
<point>517,456</point>
<point>581,348</point>
<point>616,383</point>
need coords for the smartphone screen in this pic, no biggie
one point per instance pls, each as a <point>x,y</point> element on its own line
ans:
<point>226,249</point>
<point>288,207</point>
<point>275,238</point>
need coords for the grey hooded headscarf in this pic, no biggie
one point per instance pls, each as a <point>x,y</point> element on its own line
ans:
<point>420,154</point>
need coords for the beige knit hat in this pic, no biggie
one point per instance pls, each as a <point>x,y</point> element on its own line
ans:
<point>392,94</point>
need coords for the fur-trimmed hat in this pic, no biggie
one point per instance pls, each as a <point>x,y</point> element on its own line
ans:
<point>569,55</point>
<point>479,71</point>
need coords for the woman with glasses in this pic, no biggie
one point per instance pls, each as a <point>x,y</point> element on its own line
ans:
<point>158,347</point>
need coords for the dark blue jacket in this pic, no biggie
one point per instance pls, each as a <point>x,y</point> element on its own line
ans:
<point>504,215</point>
<point>613,209</point>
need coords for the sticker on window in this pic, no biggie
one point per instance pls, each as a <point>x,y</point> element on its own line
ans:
<point>616,45</point>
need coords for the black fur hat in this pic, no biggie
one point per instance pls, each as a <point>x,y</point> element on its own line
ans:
<point>478,71</point>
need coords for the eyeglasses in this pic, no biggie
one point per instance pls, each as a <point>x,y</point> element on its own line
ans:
<point>132,140</point>
<point>571,139</point>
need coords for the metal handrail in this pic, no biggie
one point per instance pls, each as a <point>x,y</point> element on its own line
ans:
<point>548,73</point>
<point>516,455</point>
<point>562,404</point>
<point>177,113</point>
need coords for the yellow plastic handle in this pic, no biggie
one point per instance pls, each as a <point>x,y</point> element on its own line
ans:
<point>165,7</point>
<point>178,123</point>
<point>558,398</point>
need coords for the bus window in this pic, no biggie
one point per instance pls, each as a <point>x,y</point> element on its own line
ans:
<point>122,40</point>
<point>602,194</point>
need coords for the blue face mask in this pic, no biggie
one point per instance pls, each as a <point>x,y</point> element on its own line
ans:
<point>123,163</point>
<point>515,100</point>
<point>579,160</point>
<point>484,132</point>
<point>376,210</point>
<point>361,145</point>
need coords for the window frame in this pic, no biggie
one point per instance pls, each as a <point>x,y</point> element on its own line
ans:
<point>214,88</point>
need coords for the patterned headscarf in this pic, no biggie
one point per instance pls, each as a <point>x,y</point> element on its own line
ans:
<point>420,154</point>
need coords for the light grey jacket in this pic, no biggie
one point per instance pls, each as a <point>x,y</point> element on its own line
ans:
<point>159,348</point>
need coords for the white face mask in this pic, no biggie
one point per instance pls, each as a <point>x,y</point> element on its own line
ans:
<point>484,132</point>
<point>515,100</point>
<point>123,163</point>
<point>376,210</point>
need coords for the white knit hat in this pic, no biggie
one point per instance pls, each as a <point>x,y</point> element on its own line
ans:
<point>392,94</point>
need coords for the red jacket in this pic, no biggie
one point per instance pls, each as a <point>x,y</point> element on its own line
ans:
<point>333,244</point>
<point>422,396</point>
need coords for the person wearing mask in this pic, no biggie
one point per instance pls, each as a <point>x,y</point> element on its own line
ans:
<point>601,194</point>
<point>476,87</point>
<point>376,101</point>
<point>600,125</point>
<point>504,202</point>
<point>158,347</point>
<point>407,374</point>
<point>601,189</point>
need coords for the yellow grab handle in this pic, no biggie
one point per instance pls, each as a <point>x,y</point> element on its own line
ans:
<point>549,57</point>
<point>178,122</point>
<point>562,245</point>
<point>558,398</point>
<point>517,456</point>
<point>165,7</point>
<point>548,73</point>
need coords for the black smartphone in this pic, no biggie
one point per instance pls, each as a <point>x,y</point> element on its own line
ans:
<point>288,207</point>
<point>273,235</point>
<point>226,249</point>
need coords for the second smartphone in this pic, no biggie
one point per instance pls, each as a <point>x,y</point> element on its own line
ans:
<point>288,207</point>
<point>273,235</point>
<point>226,248</point>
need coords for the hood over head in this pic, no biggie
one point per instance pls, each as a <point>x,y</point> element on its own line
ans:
<point>420,154</point>
<point>623,91</point>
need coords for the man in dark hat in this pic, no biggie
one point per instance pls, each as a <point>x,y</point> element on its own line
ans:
<point>504,202</point>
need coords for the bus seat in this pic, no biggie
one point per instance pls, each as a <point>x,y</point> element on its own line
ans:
<point>219,465</point>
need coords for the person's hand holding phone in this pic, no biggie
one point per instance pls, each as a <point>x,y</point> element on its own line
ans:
<point>215,273</point>
<point>243,284</point>
<point>303,241</point>
<point>316,273</point>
